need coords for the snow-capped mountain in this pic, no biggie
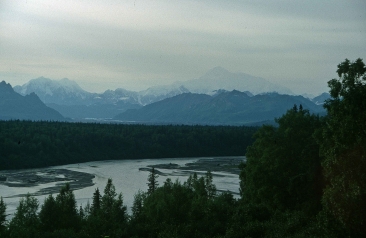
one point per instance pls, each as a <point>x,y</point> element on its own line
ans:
<point>150,95</point>
<point>220,91</point>
<point>158,93</point>
<point>115,96</point>
<point>220,78</point>
<point>62,92</point>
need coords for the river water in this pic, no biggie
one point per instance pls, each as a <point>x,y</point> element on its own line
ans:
<point>126,176</point>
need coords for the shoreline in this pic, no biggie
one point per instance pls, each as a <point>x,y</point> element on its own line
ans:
<point>51,179</point>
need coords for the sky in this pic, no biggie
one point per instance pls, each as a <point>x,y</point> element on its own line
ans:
<point>137,44</point>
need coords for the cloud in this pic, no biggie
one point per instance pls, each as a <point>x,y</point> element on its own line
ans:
<point>137,44</point>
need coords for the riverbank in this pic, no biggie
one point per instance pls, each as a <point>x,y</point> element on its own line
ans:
<point>201,166</point>
<point>52,179</point>
<point>44,181</point>
<point>127,177</point>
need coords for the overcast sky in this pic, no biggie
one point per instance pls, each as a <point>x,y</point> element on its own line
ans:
<point>137,44</point>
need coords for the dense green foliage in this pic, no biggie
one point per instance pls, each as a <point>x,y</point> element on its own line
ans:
<point>191,209</point>
<point>281,182</point>
<point>343,144</point>
<point>307,177</point>
<point>289,157</point>
<point>106,216</point>
<point>26,221</point>
<point>304,178</point>
<point>26,144</point>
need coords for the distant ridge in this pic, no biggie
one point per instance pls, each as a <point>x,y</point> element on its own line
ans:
<point>226,108</point>
<point>29,107</point>
<point>220,78</point>
<point>320,100</point>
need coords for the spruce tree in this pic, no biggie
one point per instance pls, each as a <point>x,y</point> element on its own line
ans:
<point>81,213</point>
<point>210,187</point>
<point>113,212</point>
<point>95,207</point>
<point>108,198</point>
<point>2,216</point>
<point>49,214</point>
<point>66,203</point>
<point>137,204</point>
<point>152,181</point>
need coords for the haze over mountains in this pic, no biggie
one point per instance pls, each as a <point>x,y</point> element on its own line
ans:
<point>67,92</point>
<point>64,91</point>
<point>72,101</point>
<point>220,78</point>
<point>217,97</point>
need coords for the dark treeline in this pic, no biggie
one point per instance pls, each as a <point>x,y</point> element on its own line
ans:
<point>175,209</point>
<point>304,178</point>
<point>27,144</point>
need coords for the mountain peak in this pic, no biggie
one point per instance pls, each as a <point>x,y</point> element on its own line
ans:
<point>220,78</point>
<point>63,91</point>
<point>30,107</point>
<point>40,79</point>
<point>217,72</point>
<point>5,87</point>
<point>4,84</point>
<point>33,97</point>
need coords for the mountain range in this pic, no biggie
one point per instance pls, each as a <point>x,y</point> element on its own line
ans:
<point>208,98</point>
<point>225,108</point>
<point>29,107</point>
<point>68,92</point>
<point>72,101</point>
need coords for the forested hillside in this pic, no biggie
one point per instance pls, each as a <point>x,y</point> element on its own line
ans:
<point>27,144</point>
